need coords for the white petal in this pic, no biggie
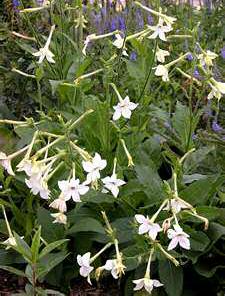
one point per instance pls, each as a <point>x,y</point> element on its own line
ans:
<point>87,166</point>
<point>116,115</point>
<point>143,228</point>
<point>126,113</point>
<point>83,189</point>
<point>173,244</point>
<point>157,283</point>
<point>184,242</point>
<point>140,218</point>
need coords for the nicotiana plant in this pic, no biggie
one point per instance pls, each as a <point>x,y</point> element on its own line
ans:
<point>102,161</point>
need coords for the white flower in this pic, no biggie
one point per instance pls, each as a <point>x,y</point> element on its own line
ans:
<point>113,184</point>
<point>86,42</point>
<point>161,54</point>
<point>44,52</point>
<point>178,236</point>
<point>5,161</point>
<point>176,205</point>
<point>119,43</point>
<point>115,266</point>
<point>37,184</point>
<point>160,30</point>
<point>162,71</point>
<point>31,167</point>
<point>59,204</point>
<point>72,189</point>
<point>147,226</point>
<point>124,108</point>
<point>59,218</point>
<point>93,167</point>
<point>146,283</point>
<point>207,57</point>
<point>85,265</point>
<point>218,89</point>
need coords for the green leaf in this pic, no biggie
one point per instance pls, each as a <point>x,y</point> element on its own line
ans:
<point>23,248</point>
<point>36,245</point>
<point>199,241</point>
<point>86,224</point>
<point>51,247</point>
<point>172,277</point>
<point>13,270</point>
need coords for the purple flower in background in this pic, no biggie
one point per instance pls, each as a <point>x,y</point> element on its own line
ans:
<point>113,24</point>
<point>133,56</point>
<point>196,74</point>
<point>216,127</point>
<point>139,19</point>
<point>122,24</point>
<point>16,3</point>
<point>194,137</point>
<point>189,57</point>
<point>150,19</point>
<point>223,52</point>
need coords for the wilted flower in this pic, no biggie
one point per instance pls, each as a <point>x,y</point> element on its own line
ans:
<point>85,265</point>
<point>176,205</point>
<point>162,71</point>
<point>124,108</point>
<point>72,189</point>
<point>160,30</point>
<point>59,218</point>
<point>113,184</point>
<point>59,204</point>
<point>94,167</point>
<point>161,54</point>
<point>5,162</point>
<point>178,236</point>
<point>207,57</point>
<point>146,283</point>
<point>147,226</point>
<point>115,266</point>
<point>44,52</point>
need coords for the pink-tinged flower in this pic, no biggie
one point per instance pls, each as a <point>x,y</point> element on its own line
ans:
<point>147,284</point>
<point>178,237</point>
<point>160,30</point>
<point>59,218</point>
<point>124,108</point>
<point>176,205</point>
<point>147,226</point>
<point>94,167</point>
<point>85,265</point>
<point>113,184</point>
<point>72,189</point>
<point>5,162</point>
<point>59,204</point>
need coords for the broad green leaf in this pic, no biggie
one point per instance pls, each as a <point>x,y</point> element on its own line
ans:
<point>36,244</point>
<point>52,246</point>
<point>172,277</point>
<point>23,248</point>
<point>86,224</point>
<point>13,270</point>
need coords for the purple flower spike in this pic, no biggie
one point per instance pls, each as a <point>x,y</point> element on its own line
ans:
<point>189,57</point>
<point>216,127</point>
<point>223,52</point>
<point>133,56</point>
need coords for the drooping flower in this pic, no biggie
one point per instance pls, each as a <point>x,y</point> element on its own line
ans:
<point>38,185</point>
<point>146,283</point>
<point>115,267</point>
<point>159,30</point>
<point>120,43</point>
<point>5,162</point>
<point>124,108</point>
<point>161,54</point>
<point>85,265</point>
<point>147,226</point>
<point>72,189</point>
<point>59,218</point>
<point>176,205</point>
<point>113,184</point>
<point>94,167</point>
<point>217,89</point>
<point>44,52</point>
<point>162,71</point>
<point>59,204</point>
<point>178,237</point>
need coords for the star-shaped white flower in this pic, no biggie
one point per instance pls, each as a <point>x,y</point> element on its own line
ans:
<point>44,52</point>
<point>147,226</point>
<point>59,218</point>
<point>38,184</point>
<point>160,30</point>
<point>161,54</point>
<point>85,265</point>
<point>176,205</point>
<point>72,189</point>
<point>163,72</point>
<point>218,89</point>
<point>124,108</point>
<point>146,283</point>
<point>178,236</point>
<point>119,43</point>
<point>5,162</point>
<point>113,184</point>
<point>206,58</point>
<point>94,167</point>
